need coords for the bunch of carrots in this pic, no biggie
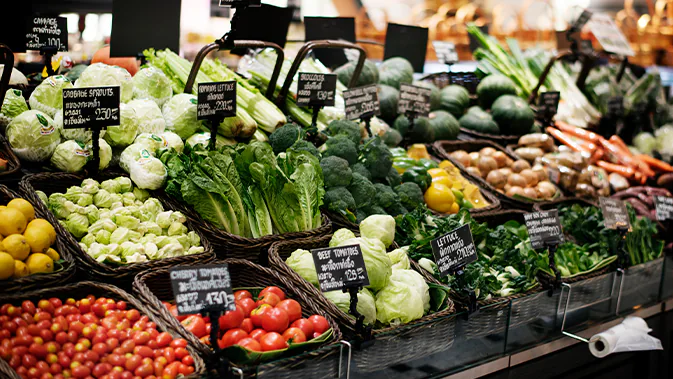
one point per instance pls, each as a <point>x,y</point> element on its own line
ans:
<point>610,154</point>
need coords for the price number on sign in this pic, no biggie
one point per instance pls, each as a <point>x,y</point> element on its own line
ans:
<point>220,298</point>
<point>103,114</point>
<point>361,102</point>
<point>316,89</point>
<point>615,215</point>
<point>340,267</point>
<point>454,250</point>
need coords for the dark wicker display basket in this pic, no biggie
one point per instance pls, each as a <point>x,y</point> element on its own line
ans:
<point>30,282</point>
<point>6,153</point>
<point>228,245</point>
<point>153,287</point>
<point>444,150</point>
<point>81,290</point>
<point>394,344</point>
<point>121,275</point>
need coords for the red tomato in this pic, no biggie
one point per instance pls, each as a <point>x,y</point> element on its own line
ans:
<point>81,372</point>
<point>247,325</point>
<point>180,353</point>
<point>40,351</point>
<point>257,313</point>
<point>169,354</point>
<point>57,303</point>
<point>305,325</point>
<point>273,289</point>
<point>116,359</point>
<point>133,315</point>
<point>101,369</point>
<point>179,342</point>
<point>195,325</point>
<point>28,307</point>
<point>269,298</point>
<point>292,308</point>
<point>275,320</point>
<point>272,341</point>
<point>247,305</point>
<point>257,334</point>
<point>141,338</point>
<point>189,361</point>
<point>294,335</point>
<point>250,344</point>
<point>320,324</point>
<point>163,339</point>
<point>242,294</point>
<point>144,370</point>
<point>133,362</point>
<point>231,337</point>
<point>46,306</point>
<point>231,319</point>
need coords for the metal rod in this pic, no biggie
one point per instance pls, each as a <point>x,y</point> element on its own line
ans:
<point>7,57</point>
<point>565,312</point>
<point>619,294</point>
<point>545,72</point>
<point>341,353</point>
<point>319,44</point>
<point>238,371</point>
<point>622,69</point>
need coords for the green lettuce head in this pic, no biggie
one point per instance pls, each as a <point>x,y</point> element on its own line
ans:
<point>377,262</point>
<point>77,224</point>
<point>366,303</point>
<point>130,155</point>
<point>301,262</point>
<point>79,134</point>
<point>48,96</point>
<point>125,133</point>
<point>70,156</point>
<point>104,152</point>
<point>100,74</point>
<point>203,138</point>
<point>33,136</point>
<point>151,142</point>
<point>152,84</point>
<point>406,298</point>
<point>13,105</point>
<point>380,227</point>
<point>149,116</point>
<point>148,172</point>
<point>340,236</point>
<point>172,141</point>
<point>400,258</point>
<point>180,115</point>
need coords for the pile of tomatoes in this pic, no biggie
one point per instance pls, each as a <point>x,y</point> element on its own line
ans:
<point>271,322</point>
<point>88,338</point>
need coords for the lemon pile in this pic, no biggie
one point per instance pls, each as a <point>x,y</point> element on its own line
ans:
<point>25,241</point>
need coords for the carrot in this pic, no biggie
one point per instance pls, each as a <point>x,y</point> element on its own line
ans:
<point>568,141</point>
<point>587,145</point>
<point>624,171</point>
<point>597,155</point>
<point>577,132</point>
<point>654,163</point>
<point>617,155</point>
<point>620,143</point>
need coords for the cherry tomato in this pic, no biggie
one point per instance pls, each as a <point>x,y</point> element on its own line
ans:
<point>320,324</point>
<point>144,351</point>
<point>144,370</point>
<point>273,289</point>
<point>275,320</point>
<point>247,305</point>
<point>179,342</point>
<point>185,370</point>
<point>163,339</point>
<point>231,337</point>
<point>305,325</point>
<point>257,313</point>
<point>169,354</point>
<point>242,294</point>
<point>249,343</point>
<point>272,341</point>
<point>294,335</point>
<point>28,307</point>
<point>81,372</point>
<point>189,361</point>
<point>247,325</point>
<point>29,360</point>
<point>231,319</point>
<point>292,308</point>
<point>45,306</point>
<point>133,315</point>
<point>133,362</point>
<point>141,338</point>
<point>101,369</point>
<point>57,303</point>
<point>195,325</point>
<point>257,334</point>
<point>40,351</point>
<point>269,298</point>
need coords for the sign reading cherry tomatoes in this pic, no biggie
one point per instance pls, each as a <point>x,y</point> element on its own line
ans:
<point>200,287</point>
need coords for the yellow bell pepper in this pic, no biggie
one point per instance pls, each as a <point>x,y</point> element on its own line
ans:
<point>437,172</point>
<point>440,198</point>
<point>454,208</point>
<point>445,180</point>
<point>418,151</point>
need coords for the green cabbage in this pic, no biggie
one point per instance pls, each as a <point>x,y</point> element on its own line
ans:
<point>406,298</point>
<point>125,133</point>
<point>148,172</point>
<point>366,303</point>
<point>665,141</point>
<point>70,156</point>
<point>48,96</point>
<point>77,224</point>
<point>33,136</point>
<point>340,236</point>
<point>77,134</point>
<point>380,227</point>
<point>180,115</point>
<point>301,262</point>
<point>203,138</point>
<point>151,142</point>
<point>151,83</point>
<point>100,74</point>
<point>149,116</point>
<point>104,153</point>
<point>13,105</point>
<point>377,262</point>
<point>130,155</point>
<point>172,141</point>
<point>400,258</point>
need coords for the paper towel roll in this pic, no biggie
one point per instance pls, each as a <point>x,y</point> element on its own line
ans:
<point>630,335</point>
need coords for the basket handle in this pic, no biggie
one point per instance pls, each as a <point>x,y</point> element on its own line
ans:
<point>303,52</point>
<point>7,57</point>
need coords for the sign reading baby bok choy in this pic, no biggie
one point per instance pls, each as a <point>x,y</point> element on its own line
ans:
<point>340,267</point>
<point>197,288</point>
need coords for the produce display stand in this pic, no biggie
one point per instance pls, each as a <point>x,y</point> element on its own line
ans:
<point>81,290</point>
<point>30,282</point>
<point>119,275</point>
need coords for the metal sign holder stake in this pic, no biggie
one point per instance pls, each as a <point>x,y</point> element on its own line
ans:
<point>7,58</point>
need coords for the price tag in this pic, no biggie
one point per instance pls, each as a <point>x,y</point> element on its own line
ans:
<point>198,287</point>
<point>414,99</point>
<point>616,107</point>
<point>216,100</point>
<point>615,215</point>
<point>582,20</point>
<point>544,228</point>
<point>47,32</point>
<point>132,33</point>
<point>446,52</point>
<point>340,267</point>
<point>609,35</point>
<point>316,90</point>
<point>335,28</point>
<point>234,3</point>
<point>586,46</point>
<point>362,102</point>
<point>408,42</point>
<point>548,104</point>
<point>664,207</point>
<point>90,107</point>
<point>454,249</point>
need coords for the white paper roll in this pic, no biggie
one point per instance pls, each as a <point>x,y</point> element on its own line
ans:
<point>630,335</point>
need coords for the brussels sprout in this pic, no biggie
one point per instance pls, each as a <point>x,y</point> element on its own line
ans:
<point>88,239</point>
<point>110,186</point>
<point>104,224</point>
<point>140,194</point>
<point>128,222</point>
<point>77,224</point>
<point>92,213</point>
<point>195,250</point>
<point>171,250</point>
<point>177,229</point>
<point>164,219</point>
<point>90,186</point>
<point>103,236</point>
<point>102,198</point>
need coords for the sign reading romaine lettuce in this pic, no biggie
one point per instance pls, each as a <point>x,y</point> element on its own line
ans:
<point>316,90</point>
<point>362,102</point>
<point>414,99</point>
<point>216,100</point>
<point>199,287</point>
<point>340,267</point>
<point>47,32</point>
<point>544,228</point>
<point>91,107</point>
<point>664,207</point>
<point>454,249</point>
<point>615,215</point>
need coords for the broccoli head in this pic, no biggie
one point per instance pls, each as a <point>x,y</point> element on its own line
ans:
<point>284,137</point>
<point>336,172</point>
<point>385,196</point>
<point>339,200</point>
<point>346,128</point>
<point>374,210</point>
<point>342,147</point>
<point>363,191</point>
<point>303,145</point>
<point>377,157</point>
<point>360,215</point>
<point>393,178</point>
<point>362,170</point>
<point>410,195</point>
<point>396,209</point>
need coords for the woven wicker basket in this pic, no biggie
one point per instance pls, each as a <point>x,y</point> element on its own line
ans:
<point>153,287</point>
<point>6,153</point>
<point>393,345</point>
<point>40,280</point>
<point>444,149</point>
<point>81,290</point>
<point>119,275</point>
<point>232,246</point>
<point>642,282</point>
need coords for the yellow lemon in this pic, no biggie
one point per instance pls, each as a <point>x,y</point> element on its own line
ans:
<point>53,254</point>
<point>44,227</point>
<point>38,240</point>
<point>12,221</point>
<point>39,263</point>
<point>6,266</point>
<point>20,270</point>
<point>24,207</point>
<point>16,246</point>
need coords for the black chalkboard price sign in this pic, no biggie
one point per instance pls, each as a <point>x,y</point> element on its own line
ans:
<point>316,90</point>
<point>91,107</point>
<point>616,107</point>
<point>237,3</point>
<point>548,104</point>
<point>615,215</point>
<point>414,99</point>
<point>454,249</point>
<point>197,288</point>
<point>362,102</point>
<point>544,228</point>
<point>47,32</point>
<point>340,267</point>
<point>664,207</point>
<point>216,100</point>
